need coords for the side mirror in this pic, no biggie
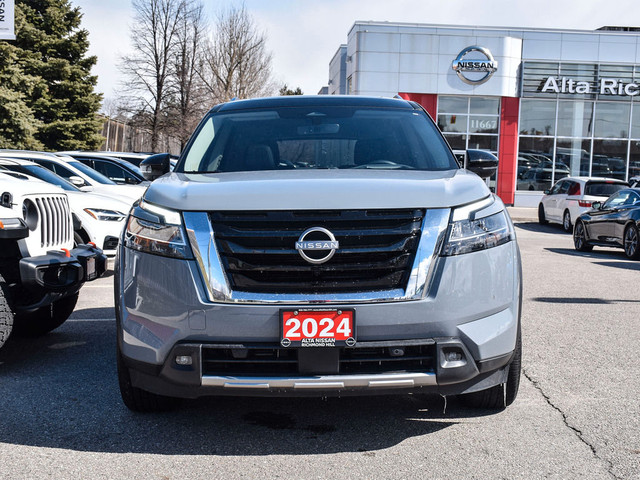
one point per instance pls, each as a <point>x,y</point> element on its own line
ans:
<point>546,192</point>
<point>596,205</point>
<point>155,166</point>
<point>77,181</point>
<point>482,163</point>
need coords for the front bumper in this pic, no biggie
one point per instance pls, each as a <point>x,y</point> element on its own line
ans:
<point>46,278</point>
<point>438,374</point>
<point>471,309</point>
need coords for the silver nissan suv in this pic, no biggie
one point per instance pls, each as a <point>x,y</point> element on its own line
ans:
<point>318,246</point>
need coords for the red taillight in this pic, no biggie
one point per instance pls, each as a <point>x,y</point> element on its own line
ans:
<point>582,203</point>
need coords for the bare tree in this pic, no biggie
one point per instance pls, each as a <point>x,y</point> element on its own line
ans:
<point>188,100</point>
<point>154,38</point>
<point>237,63</point>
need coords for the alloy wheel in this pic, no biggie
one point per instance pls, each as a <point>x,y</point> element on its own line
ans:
<point>631,242</point>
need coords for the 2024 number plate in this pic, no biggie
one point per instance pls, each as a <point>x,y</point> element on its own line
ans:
<point>317,328</point>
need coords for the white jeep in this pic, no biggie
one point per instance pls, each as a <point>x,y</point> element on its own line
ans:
<point>40,271</point>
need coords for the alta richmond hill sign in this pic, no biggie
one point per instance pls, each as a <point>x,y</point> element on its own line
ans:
<point>604,86</point>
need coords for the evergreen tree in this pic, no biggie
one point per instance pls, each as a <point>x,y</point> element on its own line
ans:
<point>18,124</point>
<point>50,49</point>
<point>285,90</point>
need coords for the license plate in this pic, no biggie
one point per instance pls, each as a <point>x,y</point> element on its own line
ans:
<point>91,268</point>
<point>317,328</point>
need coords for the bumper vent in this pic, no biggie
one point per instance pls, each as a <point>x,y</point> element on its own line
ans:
<point>263,360</point>
<point>376,252</point>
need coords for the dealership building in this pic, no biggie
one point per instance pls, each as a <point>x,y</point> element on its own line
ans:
<point>549,103</point>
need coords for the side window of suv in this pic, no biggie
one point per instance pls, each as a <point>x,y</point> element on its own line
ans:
<point>556,188</point>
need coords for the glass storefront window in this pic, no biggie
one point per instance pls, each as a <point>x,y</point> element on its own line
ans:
<point>612,120</point>
<point>487,106</point>
<point>452,123</point>
<point>457,142</point>
<point>575,119</point>
<point>635,121</point>
<point>483,124</point>
<point>453,104</point>
<point>537,117</point>
<point>483,142</point>
<point>534,163</point>
<point>572,156</point>
<point>609,158</point>
<point>634,159</point>
<point>470,122</point>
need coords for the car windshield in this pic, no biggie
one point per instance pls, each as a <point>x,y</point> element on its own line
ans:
<point>603,189</point>
<point>317,138</point>
<point>91,173</point>
<point>45,175</point>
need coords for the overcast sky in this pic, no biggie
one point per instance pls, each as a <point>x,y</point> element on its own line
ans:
<point>303,35</point>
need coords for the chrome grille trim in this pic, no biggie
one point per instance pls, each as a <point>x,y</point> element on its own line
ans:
<point>202,239</point>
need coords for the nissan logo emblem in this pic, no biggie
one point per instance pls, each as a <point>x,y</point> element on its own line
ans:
<point>317,245</point>
<point>475,68</point>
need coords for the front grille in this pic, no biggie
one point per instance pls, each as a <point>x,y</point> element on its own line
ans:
<point>55,220</point>
<point>377,249</point>
<point>264,360</point>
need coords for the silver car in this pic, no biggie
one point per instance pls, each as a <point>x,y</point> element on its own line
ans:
<point>318,246</point>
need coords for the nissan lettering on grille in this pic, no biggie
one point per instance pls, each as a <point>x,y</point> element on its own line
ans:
<point>317,245</point>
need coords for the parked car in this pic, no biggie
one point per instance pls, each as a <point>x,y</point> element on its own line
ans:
<point>41,272</point>
<point>115,169</point>
<point>614,223</point>
<point>79,174</point>
<point>572,196</point>
<point>132,157</point>
<point>634,182</point>
<point>320,245</point>
<point>100,216</point>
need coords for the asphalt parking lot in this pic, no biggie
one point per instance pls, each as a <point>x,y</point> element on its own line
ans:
<point>577,414</point>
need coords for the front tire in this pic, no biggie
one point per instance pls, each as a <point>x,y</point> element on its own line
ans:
<point>542,218</point>
<point>631,247</point>
<point>139,400</point>
<point>580,238</point>
<point>566,221</point>
<point>6,315</point>
<point>500,396</point>
<point>45,319</point>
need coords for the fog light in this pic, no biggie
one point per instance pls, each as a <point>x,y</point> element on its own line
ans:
<point>453,356</point>
<point>184,360</point>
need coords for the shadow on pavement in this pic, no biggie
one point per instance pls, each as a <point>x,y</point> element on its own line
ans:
<point>536,227</point>
<point>596,254</point>
<point>93,313</point>
<point>592,301</point>
<point>61,391</point>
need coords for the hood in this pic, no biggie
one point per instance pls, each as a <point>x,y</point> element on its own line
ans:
<point>317,189</point>
<point>126,193</point>
<point>78,201</point>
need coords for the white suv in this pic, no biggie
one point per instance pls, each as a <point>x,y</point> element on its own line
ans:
<point>572,196</point>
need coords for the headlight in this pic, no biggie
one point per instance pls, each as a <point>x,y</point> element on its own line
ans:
<point>156,236</point>
<point>105,215</point>
<point>478,227</point>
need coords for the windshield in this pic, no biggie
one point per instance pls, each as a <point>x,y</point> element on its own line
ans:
<point>44,175</point>
<point>90,172</point>
<point>317,138</point>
